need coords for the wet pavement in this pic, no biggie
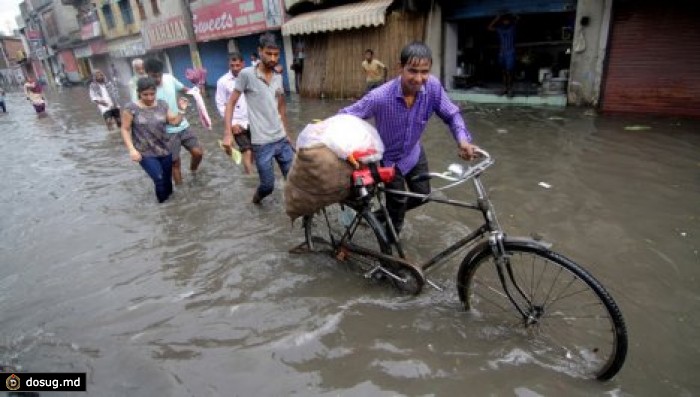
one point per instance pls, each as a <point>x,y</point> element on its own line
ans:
<point>199,296</point>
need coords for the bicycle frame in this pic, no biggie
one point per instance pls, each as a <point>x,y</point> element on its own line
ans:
<point>483,205</point>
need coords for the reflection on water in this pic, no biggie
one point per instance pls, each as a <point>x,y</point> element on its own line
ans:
<point>200,297</point>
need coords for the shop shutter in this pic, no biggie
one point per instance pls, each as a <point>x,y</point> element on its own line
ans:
<point>214,56</point>
<point>180,60</point>
<point>653,63</point>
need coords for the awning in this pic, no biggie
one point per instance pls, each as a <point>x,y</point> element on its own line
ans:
<point>348,16</point>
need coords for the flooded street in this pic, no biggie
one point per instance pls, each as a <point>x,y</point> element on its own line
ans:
<point>200,297</point>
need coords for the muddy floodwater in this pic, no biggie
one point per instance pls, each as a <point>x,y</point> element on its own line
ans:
<point>200,297</point>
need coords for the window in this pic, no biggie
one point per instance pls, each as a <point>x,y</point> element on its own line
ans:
<point>109,17</point>
<point>154,6</point>
<point>127,15</point>
<point>142,11</point>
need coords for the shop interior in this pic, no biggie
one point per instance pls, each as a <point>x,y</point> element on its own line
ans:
<point>543,44</point>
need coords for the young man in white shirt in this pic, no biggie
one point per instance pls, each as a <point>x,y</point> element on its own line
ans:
<point>240,125</point>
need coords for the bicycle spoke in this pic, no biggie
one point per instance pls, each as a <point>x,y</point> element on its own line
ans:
<point>562,298</point>
<point>492,302</point>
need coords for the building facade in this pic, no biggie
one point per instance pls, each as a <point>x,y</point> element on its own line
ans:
<point>11,56</point>
<point>223,27</point>
<point>120,22</point>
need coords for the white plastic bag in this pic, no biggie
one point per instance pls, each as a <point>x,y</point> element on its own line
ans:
<point>343,134</point>
<point>310,136</point>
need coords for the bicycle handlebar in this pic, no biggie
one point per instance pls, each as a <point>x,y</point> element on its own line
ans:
<point>457,174</point>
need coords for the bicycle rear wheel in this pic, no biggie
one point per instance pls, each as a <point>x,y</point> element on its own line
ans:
<point>332,224</point>
<point>368,234</point>
<point>571,322</point>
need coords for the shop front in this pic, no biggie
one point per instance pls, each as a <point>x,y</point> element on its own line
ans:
<point>332,43</point>
<point>82,56</point>
<point>653,64</point>
<point>92,56</point>
<point>122,51</point>
<point>542,36</point>
<point>222,28</point>
<point>68,65</point>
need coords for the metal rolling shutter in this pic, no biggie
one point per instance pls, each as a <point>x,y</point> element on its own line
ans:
<point>653,63</point>
<point>180,60</point>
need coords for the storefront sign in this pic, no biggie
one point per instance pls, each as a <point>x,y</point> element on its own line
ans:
<point>126,48</point>
<point>236,18</point>
<point>37,49</point>
<point>33,35</point>
<point>90,30</point>
<point>82,52</point>
<point>41,53</point>
<point>169,33</point>
<point>98,47</point>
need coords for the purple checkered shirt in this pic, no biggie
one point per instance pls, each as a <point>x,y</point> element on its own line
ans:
<point>401,127</point>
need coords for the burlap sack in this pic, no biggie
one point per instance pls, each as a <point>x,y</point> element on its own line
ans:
<point>317,178</point>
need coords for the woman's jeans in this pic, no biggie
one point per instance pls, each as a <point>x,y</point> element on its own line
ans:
<point>160,169</point>
<point>283,153</point>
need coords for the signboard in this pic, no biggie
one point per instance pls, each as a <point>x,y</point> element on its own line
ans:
<point>90,30</point>
<point>169,33</point>
<point>98,47</point>
<point>33,35</point>
<point>37,49</point>
<point>231,18</point>
<point>82,52</point>
<point>41,53</point>
<point>126,48</point>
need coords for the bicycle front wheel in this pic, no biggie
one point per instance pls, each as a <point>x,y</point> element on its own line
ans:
<point>570,321</point>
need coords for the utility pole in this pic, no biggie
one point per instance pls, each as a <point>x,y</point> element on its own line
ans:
<point>191,38</point>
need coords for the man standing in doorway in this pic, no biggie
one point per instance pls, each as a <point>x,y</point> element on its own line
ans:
<point>267,112</point>
<point>375,71</point>
<point>179,135</point>
<point>401,109</point>
<point>504,25</point>
<point>239,124</point>
<point>106,96</point>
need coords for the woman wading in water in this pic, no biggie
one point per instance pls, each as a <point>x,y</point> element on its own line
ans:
<point>143,131</point>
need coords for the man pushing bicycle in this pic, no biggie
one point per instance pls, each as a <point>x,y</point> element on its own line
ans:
<point>401,109</point>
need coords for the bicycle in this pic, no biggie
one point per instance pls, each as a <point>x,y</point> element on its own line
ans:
<point>502,280</point>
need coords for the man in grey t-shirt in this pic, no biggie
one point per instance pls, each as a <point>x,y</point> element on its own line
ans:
<point>267,113</point>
